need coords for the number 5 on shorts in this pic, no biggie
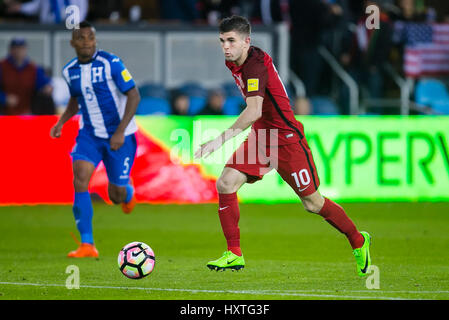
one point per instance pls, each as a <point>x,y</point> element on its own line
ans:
<point>126,164</point>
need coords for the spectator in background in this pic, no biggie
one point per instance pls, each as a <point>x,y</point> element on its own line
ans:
<point>270,12</point>
<point>49,11</point>
<point>104,10</point>
<point>180,104</point>
<point>309,19</point>
<point>215,103</point>
<point>213,11</point>
<point>148,10</point>
<point>412,10</point>
<point>20,80</point>
<point>336,35</point>
<point>179,10</point>
<point>364,59</point>
<point>121,11</point>
<point>441,8</point>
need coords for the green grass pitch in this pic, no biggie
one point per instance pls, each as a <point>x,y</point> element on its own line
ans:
<point>289,253</point>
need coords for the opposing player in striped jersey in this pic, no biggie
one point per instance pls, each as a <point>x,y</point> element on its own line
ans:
<point>276,141</point>
<point>104,91</point>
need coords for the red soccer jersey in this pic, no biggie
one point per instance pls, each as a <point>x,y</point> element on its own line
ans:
<point>257,76</point>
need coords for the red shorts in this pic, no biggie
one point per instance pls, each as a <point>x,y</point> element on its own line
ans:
<point>293,162</point>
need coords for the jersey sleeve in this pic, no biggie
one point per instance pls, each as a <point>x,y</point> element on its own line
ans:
<point>255,77</point>
<point>121,75</point>
<point>65,75</point>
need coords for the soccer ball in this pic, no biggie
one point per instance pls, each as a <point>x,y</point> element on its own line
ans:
<point>136,260</point>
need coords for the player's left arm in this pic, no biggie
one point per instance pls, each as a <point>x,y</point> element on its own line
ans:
<point>249,115</point>
<point>126,84</point>
<point>118,138</point>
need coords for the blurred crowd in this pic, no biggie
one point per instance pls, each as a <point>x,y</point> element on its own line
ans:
<point>337,25</point>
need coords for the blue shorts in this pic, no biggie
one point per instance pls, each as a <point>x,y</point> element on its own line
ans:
<point>117,163</point>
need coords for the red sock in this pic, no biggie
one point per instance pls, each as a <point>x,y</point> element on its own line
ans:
<point>336,216</point>
<point>229,214</point>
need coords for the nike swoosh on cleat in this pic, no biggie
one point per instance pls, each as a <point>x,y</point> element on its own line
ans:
<point>231,260</point>
<point>366,265</point>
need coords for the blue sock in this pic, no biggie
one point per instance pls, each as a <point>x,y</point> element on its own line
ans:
<point>83,212</point>
<point>129,193</point>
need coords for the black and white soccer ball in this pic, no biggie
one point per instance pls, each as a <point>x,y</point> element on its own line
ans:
<point>136,260</point>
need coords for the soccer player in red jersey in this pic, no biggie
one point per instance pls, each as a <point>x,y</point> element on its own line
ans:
<point>276,141</point>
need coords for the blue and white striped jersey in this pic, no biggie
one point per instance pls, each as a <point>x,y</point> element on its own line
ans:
<point>100,86</point>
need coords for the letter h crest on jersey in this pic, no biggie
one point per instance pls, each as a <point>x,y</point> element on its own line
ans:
<point>97,74</point>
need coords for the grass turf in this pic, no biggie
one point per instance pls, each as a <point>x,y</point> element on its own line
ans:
<point>290,254</point>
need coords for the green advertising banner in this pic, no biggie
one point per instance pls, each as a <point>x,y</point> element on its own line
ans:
<point>385,158</point>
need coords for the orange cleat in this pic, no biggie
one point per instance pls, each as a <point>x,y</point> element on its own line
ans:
<point>85,250</point>
<point>128,207</point>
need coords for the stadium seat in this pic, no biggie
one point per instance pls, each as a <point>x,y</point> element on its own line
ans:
<point>196,104</point>
<point>323,106</point>
<point>197,96</point>
<point>153,90</point>
<point>152,105</point>
<point>193,89</point>
<point>232,105</point>
<point>434,94</point>
<point>231,90</point>
<point>234,99</point>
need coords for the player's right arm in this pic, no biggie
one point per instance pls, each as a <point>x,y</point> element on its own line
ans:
<point>70,111</point>
<point>249,115</point>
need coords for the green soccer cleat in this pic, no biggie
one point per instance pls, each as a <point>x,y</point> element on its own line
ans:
<point>228,260</point>
<point>362,256</point>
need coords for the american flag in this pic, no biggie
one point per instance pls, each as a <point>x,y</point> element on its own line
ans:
<point>426,48</point>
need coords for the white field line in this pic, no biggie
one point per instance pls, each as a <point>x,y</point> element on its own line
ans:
<point>298,293</point>
<point>366,291</point>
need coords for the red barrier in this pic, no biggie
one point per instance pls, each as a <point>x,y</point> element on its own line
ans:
<point>38,169</point>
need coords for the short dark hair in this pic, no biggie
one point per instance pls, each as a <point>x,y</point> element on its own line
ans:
<point>235,23</point>
<point>86,24</point>
<point>82,25</point>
